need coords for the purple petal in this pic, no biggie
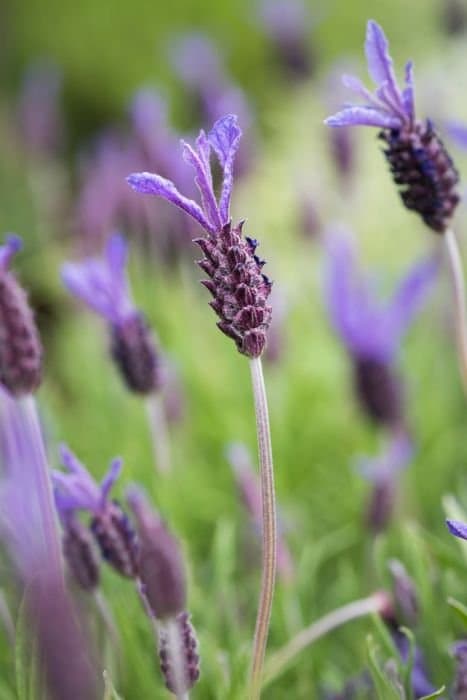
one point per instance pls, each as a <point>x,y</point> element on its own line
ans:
<point>458,132</point>
<point>203,179</point>
<point>110,478</point>
<point>363,116</point>
<point>149,183</point>
<point>380,66</point>
<point>11,246</point>
<point>387,465</point>
<point>408,92</point>
<point>225,140</point>
<point>91,281</point>
<point>355,84</point>
<point>457,528</point>
<point>410,297</point>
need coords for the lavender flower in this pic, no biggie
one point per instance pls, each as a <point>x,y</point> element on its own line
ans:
<point>239,288</point>
<point>110,526</point>
<point>285,22</point>
<point>29,530</point>
<point>370,330</point>
<point>20,349</point>
<point>459,651</point>
<point>383,473</point>
<point>419,162</point>
<point>163,585</point>
<point>405,593</point>
<point>457,528</point>
<point>102,285</point>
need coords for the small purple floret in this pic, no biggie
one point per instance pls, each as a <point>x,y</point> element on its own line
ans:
<point>457,528</point>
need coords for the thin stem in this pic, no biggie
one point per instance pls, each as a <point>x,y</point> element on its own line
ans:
<point>458,283</point>
<point>269,533</point>
<point>278,661</point>
<point>7,620</point>
<point>159,432</point>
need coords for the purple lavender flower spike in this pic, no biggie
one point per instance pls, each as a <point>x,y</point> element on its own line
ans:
<point>20,349</point>
<point>239,287</point>
<point>457,528</point>
<point>110,526</point>
<point>420,165</point>
<point>102,285</point>
<point>459,651</point>
<point>370,330</point>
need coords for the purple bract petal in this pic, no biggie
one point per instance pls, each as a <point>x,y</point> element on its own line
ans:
<point>110,478</point>
<point>363,116</point>
<point>457,528</point>
<point>225,140</point>
<point>199,161</point>
<point>380,65</point>
<point>12,245</point>
<point>149,183</point>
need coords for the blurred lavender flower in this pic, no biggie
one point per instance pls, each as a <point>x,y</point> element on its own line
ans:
<point>370,330</point>
<point>39,116</point>
<point>103,286</point>
<point>459,651</point>
<point>163,585</point>
<point>20,347</point>
<point>383,472</point>
<point>239,288</point>
<point>453,16</point>
<point>198,64</point>
<point>286,23</point>
<point>77,490</point>
<point>421,685</point>
<point>310,223</point>
<point>457,528</point>
<point>341,141</point>
<point>29,530</point>
<point>250,491</point>
<point>405,593</point>
<point>419,163</point>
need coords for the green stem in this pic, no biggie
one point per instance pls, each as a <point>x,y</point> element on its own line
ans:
<point>460,310</point>
<point>268,528</point>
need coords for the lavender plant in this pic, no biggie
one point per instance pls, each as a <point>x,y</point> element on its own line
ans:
<point>421,167</point>
<point>102,285</point>
<point>240,293</point>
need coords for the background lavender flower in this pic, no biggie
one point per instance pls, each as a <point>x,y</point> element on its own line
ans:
<point>286,23</point>
<point>239,287</point>
<point>372,330</point>
<point>419,163</point>
<point>459,652</point>
<point>102,285</point>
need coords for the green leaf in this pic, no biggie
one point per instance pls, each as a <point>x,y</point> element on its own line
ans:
<point>109,691</point>
<point>460,609</point>
<point>384,687</point>
<point>436,694</point>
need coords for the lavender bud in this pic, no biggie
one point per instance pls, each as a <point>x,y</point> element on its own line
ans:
<point>378,390</point>
<point>460,682</point>
<point>135,353</point>
<point>239,288</point>
<point>117,539</point>
<point>160,565</point>
<point>187,651</point>
<point>80,554</point>
<point>20,346</point>
<point>404,593</point>
<point>424,172</point>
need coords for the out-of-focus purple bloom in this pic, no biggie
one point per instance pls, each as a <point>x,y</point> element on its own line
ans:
<point>77,490</point>
<point>421,684</point>
<point>370,329</point>
<point>405,593</point>
<point>383,473</point>
<point>237,283</point>
<point>250,491</point>
<point>341,141</point>
<point>420,165</point>
<point>458,133</point>
<point>101,283</point>
<point>309,218</point>
<point>457,528</point>
<point>29,530</point>
<point>286,22</point>
<point>459,651</point>
<point>39,116</point>
<point>20,347</point>
<point>453,16</point>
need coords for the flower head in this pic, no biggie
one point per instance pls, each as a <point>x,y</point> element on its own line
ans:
<point>419,163</point>
<point>239,287</point>
<point>370,329</point>
<point>77,490</point>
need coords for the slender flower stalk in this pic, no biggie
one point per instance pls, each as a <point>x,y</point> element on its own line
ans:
<point>102,285</point>
<point>240,294</point>
<point>281,659</point>
<point>421,167</point>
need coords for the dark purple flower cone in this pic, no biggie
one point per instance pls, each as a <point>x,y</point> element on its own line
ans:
<point>20,346</point>
<point>136,355</point>
<point>189,653</point>
<point>378,390</point>
<point>239,288</point>
<point>116,539</point>
<point>424,172</point>
<point>80,554</point>
<point>381,505</point>
<point>460,681</point>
